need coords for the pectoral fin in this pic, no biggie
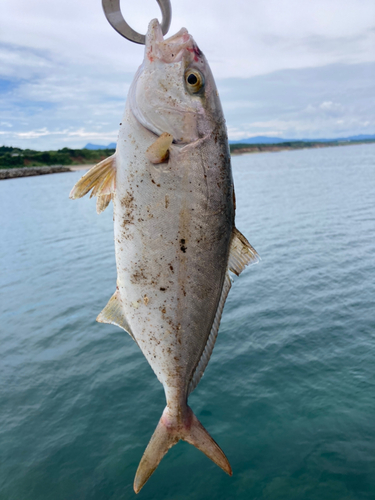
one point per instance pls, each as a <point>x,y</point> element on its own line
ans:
<point>158,152</point>
<point>241,253</point>
<point>101,179</point>
<point>114,315</point>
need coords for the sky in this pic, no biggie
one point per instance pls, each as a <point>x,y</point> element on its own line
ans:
<point>284,68</point>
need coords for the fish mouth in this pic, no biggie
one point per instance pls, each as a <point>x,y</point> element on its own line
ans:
<point>157,97</point>
<point>172,49</point>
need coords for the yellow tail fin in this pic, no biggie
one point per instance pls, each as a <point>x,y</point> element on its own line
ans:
<point>168,432</point>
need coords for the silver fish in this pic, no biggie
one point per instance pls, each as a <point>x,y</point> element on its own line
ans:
<point>171,184</point>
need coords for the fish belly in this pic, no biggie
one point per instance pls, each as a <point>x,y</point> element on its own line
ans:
<point>173,225</point>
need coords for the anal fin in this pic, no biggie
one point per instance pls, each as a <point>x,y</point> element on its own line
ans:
<point>114,315</point>
<point>101,179</point>
<point>241,253</point>
<point>209,347</point>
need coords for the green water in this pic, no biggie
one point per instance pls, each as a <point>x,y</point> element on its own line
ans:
<point>289,393</point>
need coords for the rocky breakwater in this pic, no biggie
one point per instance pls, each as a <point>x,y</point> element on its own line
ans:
<point>11,173</point>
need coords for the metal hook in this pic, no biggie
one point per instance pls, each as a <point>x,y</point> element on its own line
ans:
<point>113,13</point>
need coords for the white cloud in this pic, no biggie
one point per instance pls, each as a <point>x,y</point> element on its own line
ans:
<point>300,103</point>
<point>326,108</point>
<point>332,108</point>
<point>240,38</point>
<point>63,69</point>
<point>65,134</point>
<point>303,103</point>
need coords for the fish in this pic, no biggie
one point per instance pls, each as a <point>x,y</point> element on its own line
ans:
<point>176,243</point>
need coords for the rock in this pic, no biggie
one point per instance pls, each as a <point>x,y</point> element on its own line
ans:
<point>11,173</point>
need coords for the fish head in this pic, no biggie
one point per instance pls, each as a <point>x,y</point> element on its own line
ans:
<point>174,90</point>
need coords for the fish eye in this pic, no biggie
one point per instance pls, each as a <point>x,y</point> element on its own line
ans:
<point>194,80</point>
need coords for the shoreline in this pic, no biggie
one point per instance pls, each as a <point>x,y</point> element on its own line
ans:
<point>275,148</point>
<point>75,168</point>
<point>238,149</point>
<point>14,173</point>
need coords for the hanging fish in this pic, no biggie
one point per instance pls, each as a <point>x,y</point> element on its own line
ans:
<point>171,184</point>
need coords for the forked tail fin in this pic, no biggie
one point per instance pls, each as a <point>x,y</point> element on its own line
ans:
<point>167,433</point>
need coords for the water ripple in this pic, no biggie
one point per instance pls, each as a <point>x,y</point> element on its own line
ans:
<point>288,392</point>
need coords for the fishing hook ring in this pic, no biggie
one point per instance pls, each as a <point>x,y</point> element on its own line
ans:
<point>115,18</point>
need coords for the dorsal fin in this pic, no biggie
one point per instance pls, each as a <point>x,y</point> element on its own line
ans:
<point>241,253</point>
<point>101,179</point>
<point>114,315</point>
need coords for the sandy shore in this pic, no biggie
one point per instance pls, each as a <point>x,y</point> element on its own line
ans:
<point>81,167</point>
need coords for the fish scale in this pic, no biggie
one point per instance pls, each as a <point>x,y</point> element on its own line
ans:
<point>171,185</point>
<point>192,235</point>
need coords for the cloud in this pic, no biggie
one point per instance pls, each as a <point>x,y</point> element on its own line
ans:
<point>327,101</point>
<point>81,133</point>
<point>63,69</point>
<point>327,109</point>
<point>317,102</point>
<point>240,38</point>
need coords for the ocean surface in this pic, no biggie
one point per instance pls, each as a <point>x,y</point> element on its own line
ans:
<point>289,393</point>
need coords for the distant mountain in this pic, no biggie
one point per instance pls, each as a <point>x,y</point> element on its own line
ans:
<point>261,139</point>
<point>361,137</point>
<point>112,145</point>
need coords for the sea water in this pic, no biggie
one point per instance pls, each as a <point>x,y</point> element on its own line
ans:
<point>289,393</point>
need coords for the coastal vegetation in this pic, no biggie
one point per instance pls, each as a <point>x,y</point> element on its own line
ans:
<point>290,145</point>
<point>15,157</point>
